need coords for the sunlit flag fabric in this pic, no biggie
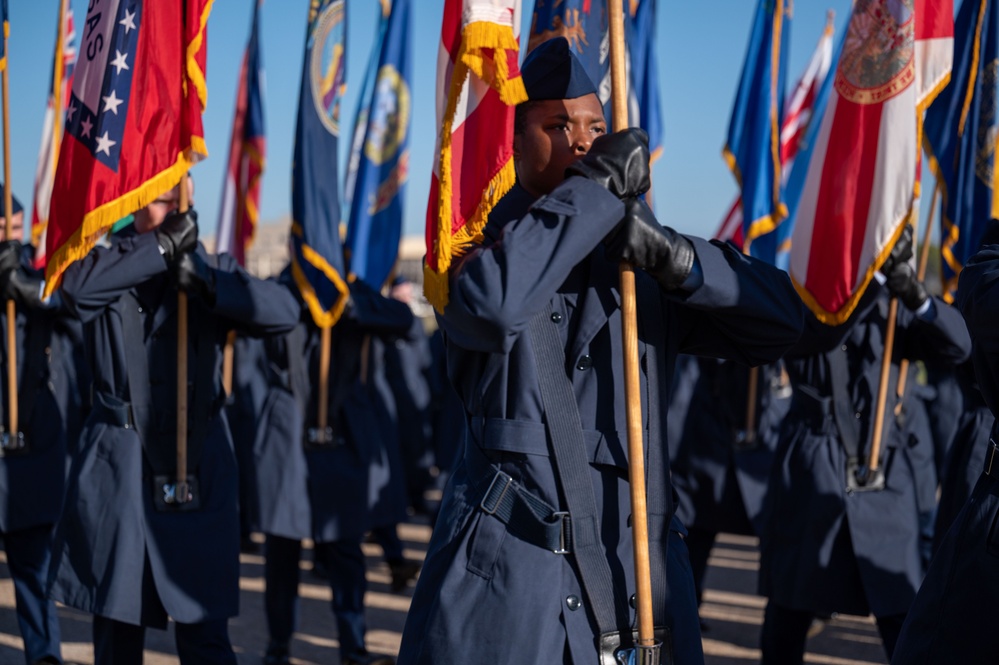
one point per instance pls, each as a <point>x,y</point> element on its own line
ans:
<point>800,109</point>
<point>247,155</point>
<point>752,150</point>
<point>6,33</point>
<point>862,181</point>
<point>133,127</point>
<point>317,255</point>
<point>375,223</point>
<point>478,86</point>
<point>961,130</point>
<point>63,63</point>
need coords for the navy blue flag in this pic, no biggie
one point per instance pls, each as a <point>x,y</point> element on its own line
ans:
<point>317,256</point>
<point>6,34</point>
<point>960,129</point>
<point>753,146</point>
<point>382,155</point>
<point>641,31</point>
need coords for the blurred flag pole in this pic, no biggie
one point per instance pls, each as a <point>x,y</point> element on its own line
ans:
<point>8,202</point>
<point>632,387</point>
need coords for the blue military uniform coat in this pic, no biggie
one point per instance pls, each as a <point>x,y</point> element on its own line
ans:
<point>708,454</point>
<point>485,595</point>
<point>321,493</point>
<point>242,410</point>
<point>116,555</point>
<point>826,549</point>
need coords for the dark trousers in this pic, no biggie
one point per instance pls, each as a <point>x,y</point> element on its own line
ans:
<point>345,562</point>
<point>118,643</point>
<point>699,544</point>
<point>29,552</point>
<point>388,539</point>
<point>785,632</point>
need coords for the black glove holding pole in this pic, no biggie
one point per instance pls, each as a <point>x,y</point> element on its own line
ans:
<point>178,234</point>
<point>195,277</point>
<point>619,162</point>
<point>900,278</point>
<point>16,283</point>
<point>639,239</point>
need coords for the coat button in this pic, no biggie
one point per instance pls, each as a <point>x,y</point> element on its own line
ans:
<point>857,415</point>
<point>556,317</point>
<point>140,309</point>
<point>584,363</point>
<point>631,601</point>
<point>843,348</point>
<point>572,602</point>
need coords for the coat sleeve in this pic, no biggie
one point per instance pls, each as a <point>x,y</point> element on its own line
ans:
<point>255,306</point>
<point>371,313</point>
<point>945,338</point>
<point>745,310</point>
<point>105,274</point>
<point>978,300</point>
<point>497,288</point>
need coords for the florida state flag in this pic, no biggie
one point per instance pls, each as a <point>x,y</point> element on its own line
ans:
<point>863,176</point>
<point>478,85</point>
<point>133,126</point>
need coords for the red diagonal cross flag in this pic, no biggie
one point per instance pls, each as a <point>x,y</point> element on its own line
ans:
<point>133,126</point>
<point>863,176</point>
<point>478,86</point>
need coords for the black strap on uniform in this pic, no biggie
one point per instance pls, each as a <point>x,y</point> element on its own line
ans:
<point>842,406</point>
<point>572,469</point>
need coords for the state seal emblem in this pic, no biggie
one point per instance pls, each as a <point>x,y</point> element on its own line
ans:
<point>878,60</point>
<point>388,126</point>
<point>326,66</point>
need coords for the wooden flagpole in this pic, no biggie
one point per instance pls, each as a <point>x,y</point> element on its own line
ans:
<point>632,386</point>
<point>8,202</point>
<point>322,420</point>
<point>182,490</point>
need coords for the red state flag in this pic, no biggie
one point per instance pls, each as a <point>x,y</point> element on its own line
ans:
<point>133,126</point>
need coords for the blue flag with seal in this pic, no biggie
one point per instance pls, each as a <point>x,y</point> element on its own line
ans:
<point>753,147</point>
<point>641,30</point>
<point>382,156</point>
<point>960,139</point>
<point>317,256</point>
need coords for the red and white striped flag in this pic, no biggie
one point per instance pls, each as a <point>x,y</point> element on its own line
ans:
<point>478,86</point>
<point>63,63</point>
<point>797,115</point>
<point>863,177</point>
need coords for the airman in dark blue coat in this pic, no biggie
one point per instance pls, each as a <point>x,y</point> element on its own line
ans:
<point>33,462</point>
<point>500,586</point>
<point>953,617</point>
<point>127,550</point>
<point>833,542</point>
<point>721,474</point>
<point>314,484</point>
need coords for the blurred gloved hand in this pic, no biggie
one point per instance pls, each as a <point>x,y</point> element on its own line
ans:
<point>900,253</point>
<point>195,277</point>
<point>639,239</point>
<point>10,256</point>
<point>178,234</point>
<point>23,287</point>
<point>619,162</point>
<point>900,278</point>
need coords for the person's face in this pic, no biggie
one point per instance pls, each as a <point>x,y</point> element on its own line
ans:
<point>555,134</point>
<point>403,292</point>
<point>16,227</point>
<point>150,217</point>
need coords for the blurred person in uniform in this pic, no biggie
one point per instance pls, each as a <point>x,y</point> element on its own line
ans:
<point>133,548</point>
<point>534,311</point>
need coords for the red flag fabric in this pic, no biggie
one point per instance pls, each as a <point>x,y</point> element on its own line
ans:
<point>863,177</point>
<point>478,86</point>
<point>133,127</point>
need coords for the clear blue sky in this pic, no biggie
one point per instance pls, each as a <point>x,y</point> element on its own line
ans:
<point>701,48</point>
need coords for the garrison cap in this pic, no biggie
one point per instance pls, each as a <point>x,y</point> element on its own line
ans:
<point>552,71</point>
<point>16,204</point>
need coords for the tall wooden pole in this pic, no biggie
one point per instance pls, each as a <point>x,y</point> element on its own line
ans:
<point>324,380</point>
<point>879,412</point>
<point>8,203</point>
<point>632,386</point>
<point>182,489</point>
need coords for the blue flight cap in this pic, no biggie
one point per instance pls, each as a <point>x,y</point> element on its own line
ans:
<point>16,203</point>
<point>552,71</point>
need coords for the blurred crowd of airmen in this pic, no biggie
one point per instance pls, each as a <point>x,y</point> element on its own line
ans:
<point>530,560</point>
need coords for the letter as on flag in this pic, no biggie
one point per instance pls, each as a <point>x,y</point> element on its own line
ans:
<point>753,149</point>
<point>129,137</point>
<point>317,255</point>
<point>478,85</point>
<point>862,181</point>
<point>247,155</point>
<point>63,63</point>
<point>382,153</point>
<point>961,131</point>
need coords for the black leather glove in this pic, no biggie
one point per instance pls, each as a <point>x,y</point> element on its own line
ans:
<point>195,277</point>
<point>619,162</point>
<point>900,277</point>
<point>642,241</point>
<point>23,287</point>
<point>900,253</point>
<point>178,234</point>
<point>10,261</point>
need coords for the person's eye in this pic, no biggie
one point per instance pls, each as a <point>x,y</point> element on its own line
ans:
<point>558,127</point>
<point>599,130</point>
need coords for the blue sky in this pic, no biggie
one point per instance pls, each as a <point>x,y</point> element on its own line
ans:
<point>701,48</point>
